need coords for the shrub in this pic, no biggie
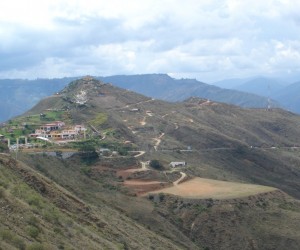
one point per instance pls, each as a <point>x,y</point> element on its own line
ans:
<point>12,239</point>
<point>33,231</point>
<point>35,246</point>
<point>2,193</point>
<point>156,165</point>
<point>51,215</point>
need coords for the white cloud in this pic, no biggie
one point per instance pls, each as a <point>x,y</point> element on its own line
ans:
<point>209,39</point>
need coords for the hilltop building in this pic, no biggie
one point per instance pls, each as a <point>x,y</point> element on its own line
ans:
<point>58,131</point>
<point>175,164</point>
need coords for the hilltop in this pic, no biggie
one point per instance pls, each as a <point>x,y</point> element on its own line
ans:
<point>19,95</point>
<point>132,146</point>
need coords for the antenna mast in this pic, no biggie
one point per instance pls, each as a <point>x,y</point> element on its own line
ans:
<point>269,99</point>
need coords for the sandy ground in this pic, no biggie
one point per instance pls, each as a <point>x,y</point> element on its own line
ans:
<point>200,188</point>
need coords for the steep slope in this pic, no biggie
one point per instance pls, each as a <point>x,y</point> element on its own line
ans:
<point>265,221</point>
<point>37,213</point>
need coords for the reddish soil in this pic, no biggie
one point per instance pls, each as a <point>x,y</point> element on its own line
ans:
<point>127,172</point>
<point>141,187</point>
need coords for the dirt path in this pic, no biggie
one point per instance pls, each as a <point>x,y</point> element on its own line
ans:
<point>140,153</point>
<point>158,141</point>
<point>144,165</point>
<point>143,122</point>
<point>183,175</point>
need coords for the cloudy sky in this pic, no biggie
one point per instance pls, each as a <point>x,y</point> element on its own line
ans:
<point>204,39</point>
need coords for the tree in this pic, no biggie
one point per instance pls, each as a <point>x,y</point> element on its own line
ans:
<point>156,165</point>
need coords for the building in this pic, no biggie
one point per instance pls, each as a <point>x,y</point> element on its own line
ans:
<point>56,131</point>
<point>175,164</point>
<point>79,128</point>
<point>52,126</point>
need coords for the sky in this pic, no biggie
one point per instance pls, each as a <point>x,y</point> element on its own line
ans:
<point>209,40</point>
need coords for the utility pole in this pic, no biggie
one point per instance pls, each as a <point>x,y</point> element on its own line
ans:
<point>269,97</point>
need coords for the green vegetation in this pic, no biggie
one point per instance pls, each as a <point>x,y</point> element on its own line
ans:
<point>156,165</point>
<point>24,125</point>
<point>99,119</point>
<point>12,239</point>
<point>3,147</point>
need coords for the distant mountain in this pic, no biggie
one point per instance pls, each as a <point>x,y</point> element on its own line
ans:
<point>290,97</point>
<point>261,86</point>
<point>17,95</point>
<point>162,86</point>
<point>230,83</point>
<point>277,88</point>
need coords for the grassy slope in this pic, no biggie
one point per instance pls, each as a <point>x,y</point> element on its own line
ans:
<point>36,211</point>
<point>265,221</point>
<point>218,224</point>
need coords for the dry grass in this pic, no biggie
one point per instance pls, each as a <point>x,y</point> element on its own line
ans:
<point>200,188</point>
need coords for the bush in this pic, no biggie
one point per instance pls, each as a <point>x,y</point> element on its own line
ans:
<point>2,193</point>
<point>12,239</point>
<point>156,165</point>
<point>33,231</point>
<point>35,246</point>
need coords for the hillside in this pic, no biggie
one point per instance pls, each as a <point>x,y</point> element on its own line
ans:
<point>39,214</point>
<point>241,143</point>
<point>164,87</point>
<point>251,153</point>
<point>17,96</point>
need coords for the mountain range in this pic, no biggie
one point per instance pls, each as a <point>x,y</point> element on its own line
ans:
<point>19,95</point>
<point>277,89</point>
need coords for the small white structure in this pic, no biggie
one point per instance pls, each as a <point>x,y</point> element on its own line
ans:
<point>175,164</point>
<point>79,128</point>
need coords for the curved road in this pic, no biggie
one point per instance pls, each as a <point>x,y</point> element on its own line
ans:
<point>183,175</point>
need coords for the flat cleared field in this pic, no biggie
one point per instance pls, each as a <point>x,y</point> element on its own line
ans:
<point>200,188</point>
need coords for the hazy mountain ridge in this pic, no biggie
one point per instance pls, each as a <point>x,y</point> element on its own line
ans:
<point>278,89</point>
<point>17,96</point>
<point>164,87</point>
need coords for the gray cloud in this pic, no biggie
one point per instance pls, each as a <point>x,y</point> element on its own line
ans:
<point>207,41</point>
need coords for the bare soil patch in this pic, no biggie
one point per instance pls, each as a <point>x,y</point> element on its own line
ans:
<point>200,188</point>
<point>140,187</point>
